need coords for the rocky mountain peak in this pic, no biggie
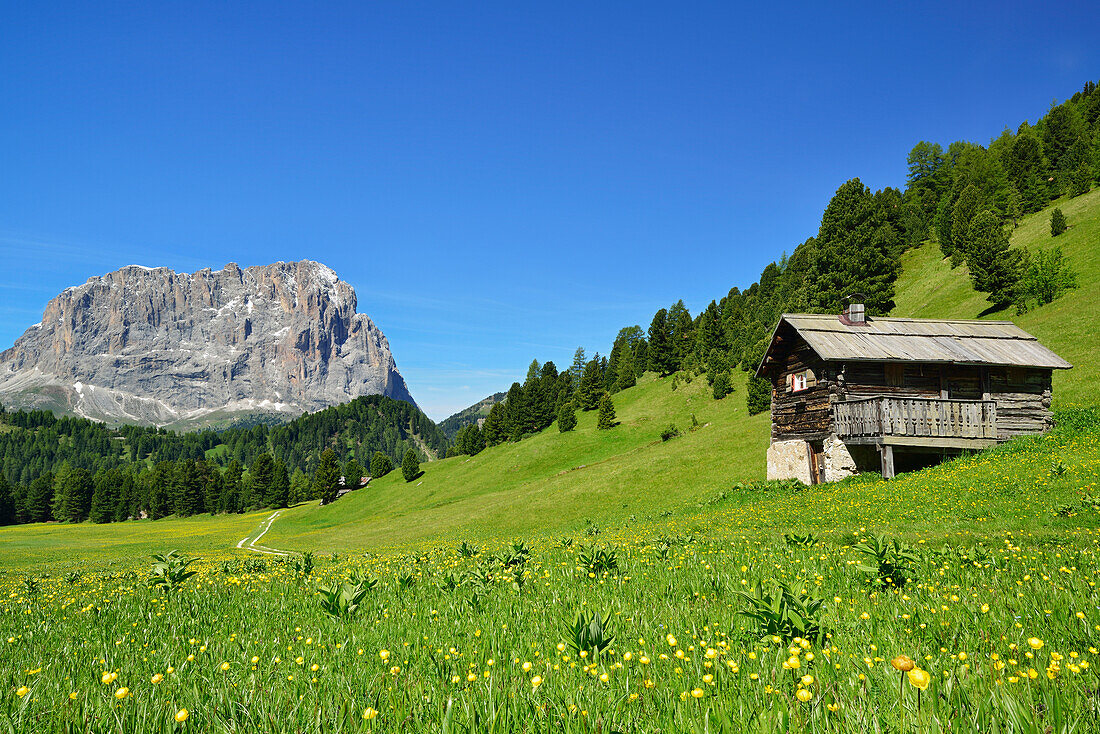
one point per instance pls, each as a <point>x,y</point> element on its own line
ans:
<point>156,346</point>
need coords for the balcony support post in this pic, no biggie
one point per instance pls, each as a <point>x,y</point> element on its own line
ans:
<point>886,454</point>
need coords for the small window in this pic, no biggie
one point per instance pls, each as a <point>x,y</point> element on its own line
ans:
<point>895,375</point>
<point>800,381</point>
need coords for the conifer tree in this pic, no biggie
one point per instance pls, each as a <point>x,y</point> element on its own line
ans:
<point>353,473</point>
<point>626,376</point>
<point>515,413</point>
<point>493,427</point>
<point>994,266</point>
<point>279,496</point>
<point>59,501</point>
<point>7,502</point>
<point>1081,181</point>
<point>759,395</point>
<point>326,477</point>
<point>212,488</point>
<point>104,496</point>
<point>1026,168</point>
<point>606,417</point>
<point>966,208</point>
<point>683,330</point>
<point>1014,206</point>
<point>39,507</point>
<point>72,494</point>
<point>660,351</point>
<point>410,465</point>
<point>641,357</point>
<point>722,385</point>
<point>1057,222</point>
<point>231,488</point>
<point>589,391</point>
<point>187,489</point>
<point>380,465</point>
<point>855,253</point>
<point>262,474</point>
<point>577,368</point>
<point>567,418</point>
<point>299,487</point>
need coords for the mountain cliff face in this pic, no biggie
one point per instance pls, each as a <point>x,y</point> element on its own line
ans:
<point>151,345</point>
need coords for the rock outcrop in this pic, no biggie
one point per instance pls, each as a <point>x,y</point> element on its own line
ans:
<point>151,345</point>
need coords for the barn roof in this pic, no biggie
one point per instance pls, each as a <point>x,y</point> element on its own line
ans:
<point>959,341</point>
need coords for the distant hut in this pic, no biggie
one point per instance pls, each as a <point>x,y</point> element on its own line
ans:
<point>854,393</point>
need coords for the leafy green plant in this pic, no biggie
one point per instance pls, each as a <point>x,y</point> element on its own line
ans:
<point>343,600</point>
<point>669,432</point>
<point>72,577</point>
<point>405,582</point>
<point>592,635</point>
<point>170,570</point>
<point>303,566</point>
<point>255,565</point>
<point>448,582</point>
<point>31,586</point>
<point>598,561</point>
<point>483,577</point>
<point>794,540</point>
<point>466,550</point>
<point>893,563</point>
<point>782,613</point>
<point>516,555</point>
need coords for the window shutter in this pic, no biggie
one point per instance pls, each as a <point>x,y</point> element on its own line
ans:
<point>811,378</point>
<point>790,379</point>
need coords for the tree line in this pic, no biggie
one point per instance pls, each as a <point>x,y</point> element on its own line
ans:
<point>73,469</point>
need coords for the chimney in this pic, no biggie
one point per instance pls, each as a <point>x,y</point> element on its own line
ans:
<point>854,312</point>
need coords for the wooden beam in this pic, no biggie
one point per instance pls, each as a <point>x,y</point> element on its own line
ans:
<point>887,456</point>
<point>939,443</point>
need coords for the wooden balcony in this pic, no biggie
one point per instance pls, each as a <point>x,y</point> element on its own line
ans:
<point>931,422</point>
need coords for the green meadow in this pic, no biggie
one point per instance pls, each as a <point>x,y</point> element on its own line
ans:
<point>606,581</point>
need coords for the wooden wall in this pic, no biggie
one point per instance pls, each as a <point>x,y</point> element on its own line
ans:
<point>867,379</point>
<point>805,414</point>
<point>1023,400</point>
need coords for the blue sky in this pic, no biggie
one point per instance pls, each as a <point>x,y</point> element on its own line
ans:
<point>499,181</point>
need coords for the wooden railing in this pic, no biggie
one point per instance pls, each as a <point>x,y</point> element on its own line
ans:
<point>931,417</point>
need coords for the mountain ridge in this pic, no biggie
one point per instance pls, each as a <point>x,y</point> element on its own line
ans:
<point>150,345</point>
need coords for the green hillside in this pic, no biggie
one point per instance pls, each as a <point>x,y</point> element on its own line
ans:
<point>552,480</point>
<point>558,483</point>
<point>930,288</point>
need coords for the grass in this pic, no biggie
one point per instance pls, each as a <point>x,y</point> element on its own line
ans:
<point>999,607</point>
<point>57,545</point>
<point>553,481</point>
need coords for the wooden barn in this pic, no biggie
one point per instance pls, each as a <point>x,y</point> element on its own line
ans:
<point>854,393</point>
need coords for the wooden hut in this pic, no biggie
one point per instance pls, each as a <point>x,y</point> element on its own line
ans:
<point>854,393</point>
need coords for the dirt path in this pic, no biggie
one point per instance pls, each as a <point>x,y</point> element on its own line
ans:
<point>249,543</point>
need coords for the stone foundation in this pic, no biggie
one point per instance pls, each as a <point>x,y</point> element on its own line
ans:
<point>790,460</point>
<point>793,460</point>
<point>838,462</point>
